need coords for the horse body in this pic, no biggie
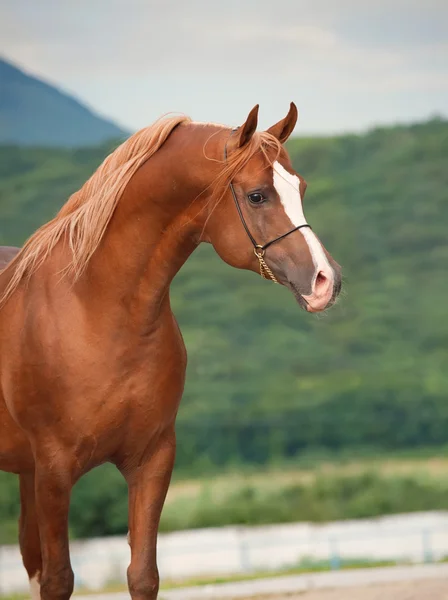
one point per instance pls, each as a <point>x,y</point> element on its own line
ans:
<point>93,366</point>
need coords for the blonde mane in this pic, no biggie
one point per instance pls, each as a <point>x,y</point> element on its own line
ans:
<point>83,220</point>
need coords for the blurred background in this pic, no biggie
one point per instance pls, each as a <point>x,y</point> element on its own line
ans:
<point>286,417</point>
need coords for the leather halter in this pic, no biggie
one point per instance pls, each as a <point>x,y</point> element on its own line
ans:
<point>259,250</point>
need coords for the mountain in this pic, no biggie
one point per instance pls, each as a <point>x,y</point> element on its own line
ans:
<point>34,113</point>
<point>265,379</point>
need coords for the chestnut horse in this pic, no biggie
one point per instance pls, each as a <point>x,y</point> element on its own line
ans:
<point>92,362</point>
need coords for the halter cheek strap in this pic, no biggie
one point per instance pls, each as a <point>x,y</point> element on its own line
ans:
<point>259,250</point>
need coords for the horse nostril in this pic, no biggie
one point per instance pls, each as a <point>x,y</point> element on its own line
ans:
<point>320,282</point>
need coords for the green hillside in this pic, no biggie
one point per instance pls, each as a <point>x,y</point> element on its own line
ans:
<point>35,113</point>
<point>266,380</point>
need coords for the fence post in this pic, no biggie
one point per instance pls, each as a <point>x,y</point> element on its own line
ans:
<point>76,566</point>
<point>427,548</point>
<point>244,555</point>
<point>335,561</point>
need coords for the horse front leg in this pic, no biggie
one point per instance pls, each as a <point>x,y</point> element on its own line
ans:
<point>55,476</point>
<point>148,484</point>
<point>29,533</point>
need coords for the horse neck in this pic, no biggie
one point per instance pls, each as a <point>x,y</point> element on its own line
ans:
<point>156,226</point>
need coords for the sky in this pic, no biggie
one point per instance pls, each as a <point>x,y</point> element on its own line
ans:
<point>348,64</point>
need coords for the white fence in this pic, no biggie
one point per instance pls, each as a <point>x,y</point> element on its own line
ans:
<point>417,537</point>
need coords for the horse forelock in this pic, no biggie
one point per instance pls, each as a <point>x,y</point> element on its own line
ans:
<point>261,142</point>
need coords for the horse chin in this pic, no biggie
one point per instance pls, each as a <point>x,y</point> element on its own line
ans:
<point>298,296</point>
<point>301,301</point>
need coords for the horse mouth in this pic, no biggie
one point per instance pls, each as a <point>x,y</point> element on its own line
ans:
<point>302,302</point>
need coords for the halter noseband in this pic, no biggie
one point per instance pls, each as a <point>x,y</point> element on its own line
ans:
<point>259,250</point>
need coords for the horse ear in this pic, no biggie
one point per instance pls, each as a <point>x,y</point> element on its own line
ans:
<point>247,130</point>
<point>283,129</point>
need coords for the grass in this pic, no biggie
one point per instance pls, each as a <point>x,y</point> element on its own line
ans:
<point>306,469</point>
<point>310,490</point>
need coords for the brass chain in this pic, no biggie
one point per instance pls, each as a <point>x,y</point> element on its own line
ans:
<point>265,271</point>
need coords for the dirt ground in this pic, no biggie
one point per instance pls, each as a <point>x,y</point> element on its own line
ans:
<point>414,590</point>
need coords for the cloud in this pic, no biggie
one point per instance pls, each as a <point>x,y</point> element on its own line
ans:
<point>120,54</point>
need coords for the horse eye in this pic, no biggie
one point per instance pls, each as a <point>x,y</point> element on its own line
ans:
<point>256,198</point>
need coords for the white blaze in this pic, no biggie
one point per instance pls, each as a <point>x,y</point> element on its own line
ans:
<point>35,587</point>
<point>288,189</point>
